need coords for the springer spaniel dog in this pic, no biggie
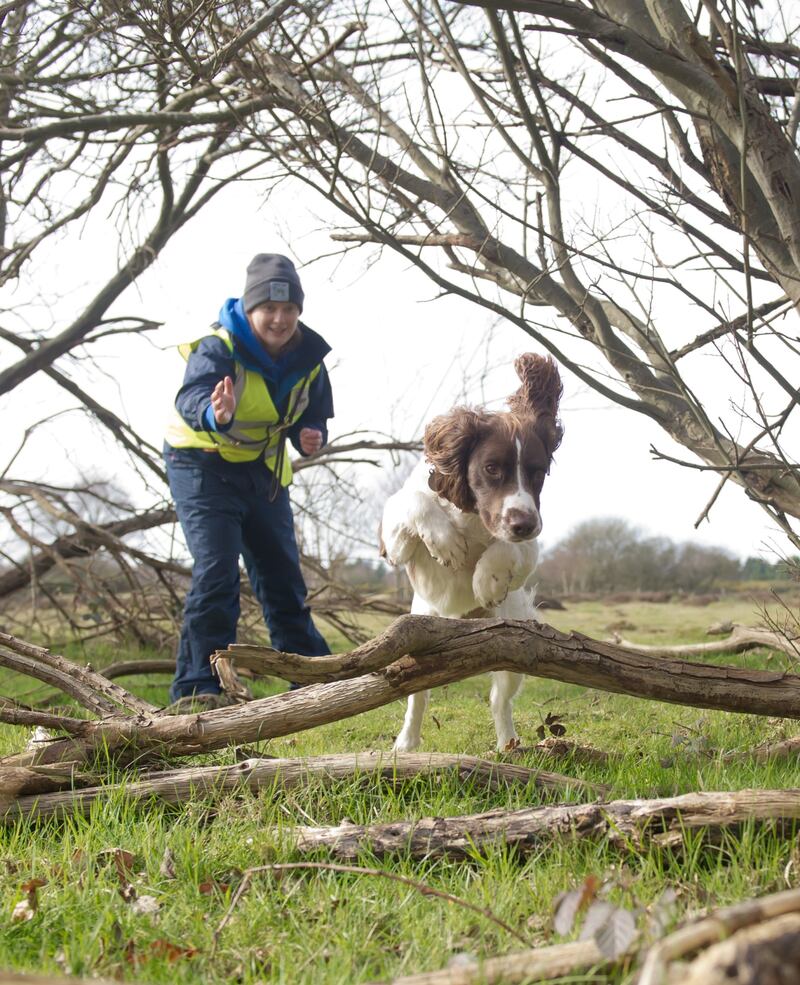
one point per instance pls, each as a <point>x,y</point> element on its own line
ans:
<point>466,520</point>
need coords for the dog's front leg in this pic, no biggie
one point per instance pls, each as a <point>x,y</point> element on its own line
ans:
<point>409,738</point>
<point>410,517</point>
<point>505,687</point>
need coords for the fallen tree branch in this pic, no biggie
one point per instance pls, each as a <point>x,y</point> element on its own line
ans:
<point>768,952</point>
<point>92,690</point>
<point>536,965</point>
<point>741,638</point>
<point>722,923</point>
<point>420,652</point>
<point>130,668</point>
<point>764,751</point>
<point>176,786</point>
<point>622,822</point>
<point>20,781</point>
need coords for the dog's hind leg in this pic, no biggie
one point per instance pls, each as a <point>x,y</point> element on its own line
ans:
<point>505,687</point>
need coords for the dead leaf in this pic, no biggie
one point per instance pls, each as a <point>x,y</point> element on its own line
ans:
<point>172,952</point>
<point>616,934</point>
<point>566,911</point>
<point>664,911</point>
<point>591,884</point>
<point>597,915</point>
<point>167,867</point>
<point>212,886</point>
<point>568,905</point>
<point>32,885</point>
<point>24,910</point>
<point>146,906</point>
<point>123,862</point>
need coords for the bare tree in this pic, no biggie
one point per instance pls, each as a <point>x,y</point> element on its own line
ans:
<point>618,179</point>
<point>132,112</point>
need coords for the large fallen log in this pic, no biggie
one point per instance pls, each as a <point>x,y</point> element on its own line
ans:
<point>413,654</point>
<point>621,822</point>
<point>40,792</point>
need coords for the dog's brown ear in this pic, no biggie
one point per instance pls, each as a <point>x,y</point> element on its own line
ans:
<point>449,440</point>
<point>539,396</point>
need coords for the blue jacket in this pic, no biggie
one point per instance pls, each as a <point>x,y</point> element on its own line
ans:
<point>212,361</point>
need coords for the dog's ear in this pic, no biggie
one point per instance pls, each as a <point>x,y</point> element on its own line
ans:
<point>538,396</point>
<point>449,441</point>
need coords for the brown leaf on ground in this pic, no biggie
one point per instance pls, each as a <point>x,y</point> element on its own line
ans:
<point>213,886</point>
<point>167,867</point>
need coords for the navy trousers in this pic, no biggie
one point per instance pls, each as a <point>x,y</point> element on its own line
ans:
<point>224,516</point>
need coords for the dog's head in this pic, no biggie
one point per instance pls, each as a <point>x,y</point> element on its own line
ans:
<point>495,464</point>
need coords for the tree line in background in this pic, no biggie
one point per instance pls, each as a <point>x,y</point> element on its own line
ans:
<point>609,554</point>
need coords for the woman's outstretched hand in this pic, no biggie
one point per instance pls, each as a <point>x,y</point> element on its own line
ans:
<point>223,401</point>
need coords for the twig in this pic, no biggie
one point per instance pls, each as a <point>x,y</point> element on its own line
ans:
<point>421,887</point>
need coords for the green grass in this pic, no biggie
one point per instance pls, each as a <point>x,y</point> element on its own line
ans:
<point>328,927</point>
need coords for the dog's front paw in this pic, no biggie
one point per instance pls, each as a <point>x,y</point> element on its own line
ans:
<point>495,574</point>
<point>444,541</point>
<point>490,585</point>
<point>399,544</point>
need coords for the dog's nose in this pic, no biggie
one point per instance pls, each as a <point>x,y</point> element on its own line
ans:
<point>521,524</point>
<point>522,528</point>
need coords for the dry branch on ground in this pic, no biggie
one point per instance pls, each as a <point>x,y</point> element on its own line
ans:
<point>624,823</point>
<point>741,638</point>
<point>718,925</point>
<point>45,791</point>
<point>764,937</point>
<point>535,965</point>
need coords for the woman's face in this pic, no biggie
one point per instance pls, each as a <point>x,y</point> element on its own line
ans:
<point>274,323</point>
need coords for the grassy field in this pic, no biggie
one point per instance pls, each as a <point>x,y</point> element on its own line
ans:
<point>327,927</point>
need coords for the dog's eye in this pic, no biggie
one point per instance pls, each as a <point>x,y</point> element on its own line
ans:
<point>491,469</point>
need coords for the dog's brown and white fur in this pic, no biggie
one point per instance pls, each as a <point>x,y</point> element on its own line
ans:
<point>466,520</point>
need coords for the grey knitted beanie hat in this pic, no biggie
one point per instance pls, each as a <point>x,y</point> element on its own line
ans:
<point>271,277</point>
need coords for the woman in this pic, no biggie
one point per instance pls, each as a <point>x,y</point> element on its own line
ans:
<point>256,379</point>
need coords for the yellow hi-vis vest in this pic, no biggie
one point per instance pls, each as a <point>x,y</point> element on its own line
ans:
<point>257,428</point>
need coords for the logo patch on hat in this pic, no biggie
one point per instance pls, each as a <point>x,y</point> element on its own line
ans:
<point>279,290</point>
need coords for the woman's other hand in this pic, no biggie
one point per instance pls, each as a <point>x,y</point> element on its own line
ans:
<point>310,440</point>
<point>223,401</point>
